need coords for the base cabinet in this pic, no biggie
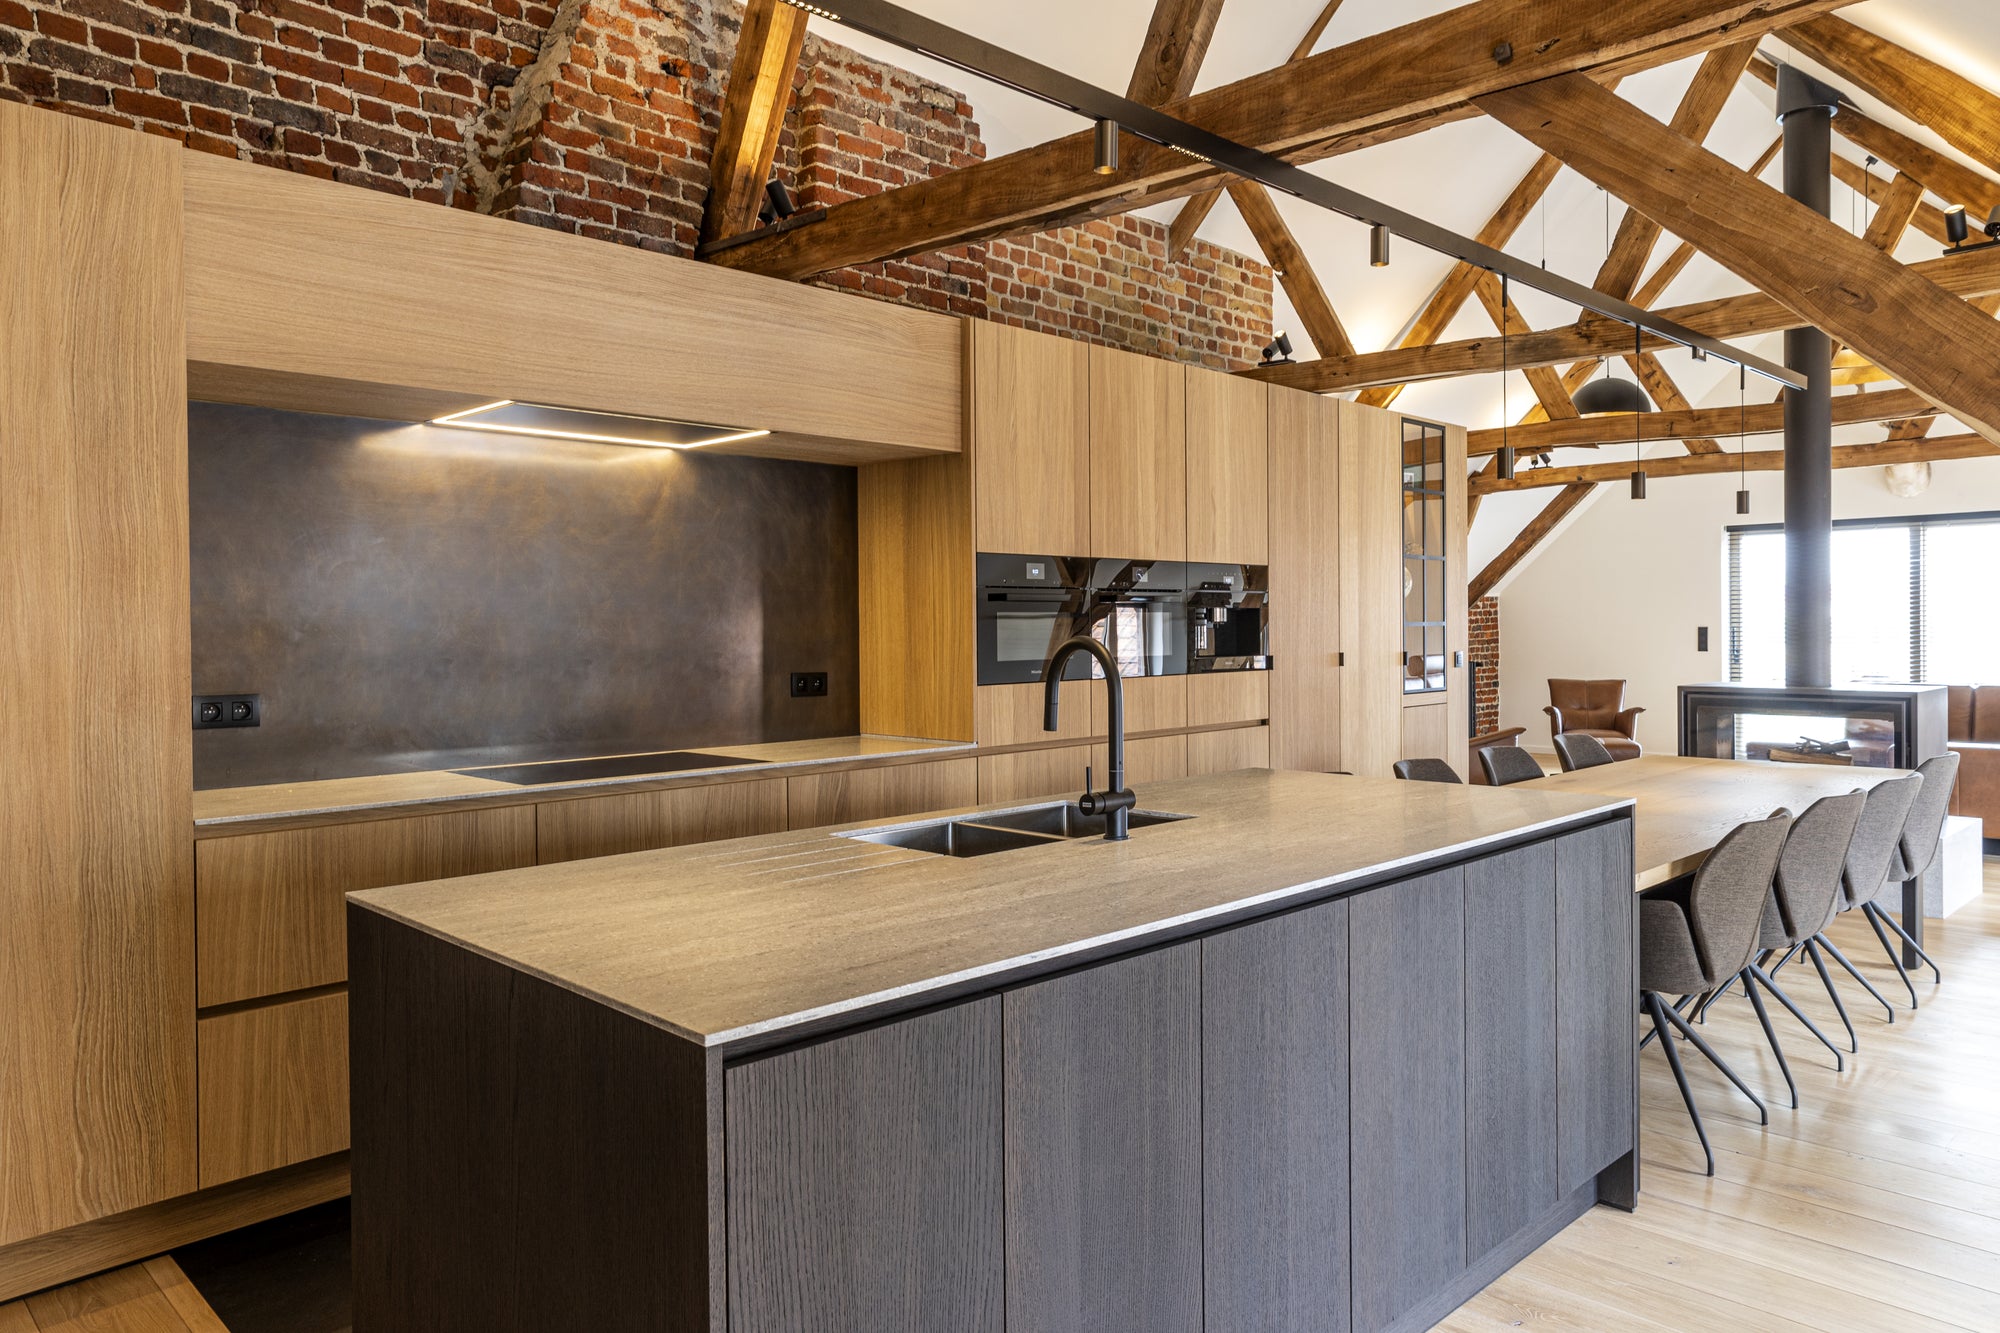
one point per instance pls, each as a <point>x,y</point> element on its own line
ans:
<point>1346,1116</point>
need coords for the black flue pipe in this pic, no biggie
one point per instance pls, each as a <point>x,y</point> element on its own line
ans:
<point>1806,109</point>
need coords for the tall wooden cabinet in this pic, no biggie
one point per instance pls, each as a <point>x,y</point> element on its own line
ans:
<point>1307,595</point>
<point>1371,582</point>
<point>1031,423</point>
<point>1228,469</point>
<point>1138,457</point>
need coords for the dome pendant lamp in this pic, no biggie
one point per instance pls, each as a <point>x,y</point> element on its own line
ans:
<point>1610,396</point>
<point>1505,466</point>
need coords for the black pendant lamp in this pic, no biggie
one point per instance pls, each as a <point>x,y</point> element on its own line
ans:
<point>1610,396</point>
<point>1505,467</point>
<point>1638,425</point>
<point>1742,437</point>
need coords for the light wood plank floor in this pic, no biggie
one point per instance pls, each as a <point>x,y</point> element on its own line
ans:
<point>1875,1206</point>
<point>153,1297</point>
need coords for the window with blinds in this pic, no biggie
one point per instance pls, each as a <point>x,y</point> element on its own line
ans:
<point>1913,600</point>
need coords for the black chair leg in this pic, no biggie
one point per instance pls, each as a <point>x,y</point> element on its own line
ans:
<point>1897,926</point>
<point>1658,1009</point>
<point>1680,1006</point>
<point>1874,915</point>
<point>1779,966</point>
<point>1832,993</point>
<point>1763,978</point>
<point>1770,1035</point>
<point>1701,1044</point>
<point>1855,972</point>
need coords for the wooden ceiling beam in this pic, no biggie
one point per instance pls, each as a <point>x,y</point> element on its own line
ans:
<point>1288,260</point>
<point>1945,177</point>
<point>1176,44</point>
<point>1550,392</point>
<point>1976,273</point>
<point>1682,255</point>
<point>1858,409</point>
<point>1381,86</point>
<point>1926,217</point>
<point>1668,396</point>
<point>1700,106</point>
<point>1964,115</point>
<point>1909,326</point>
<point>1763,460</point>
<point>753,116</point>
<point>1180,234</point>
<point>1529,537</point>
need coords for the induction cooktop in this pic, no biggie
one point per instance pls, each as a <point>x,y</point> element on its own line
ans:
<point>618,766</point>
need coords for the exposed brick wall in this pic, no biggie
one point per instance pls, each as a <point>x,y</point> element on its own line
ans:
<point>599,117</point>
<point>1485,644</point>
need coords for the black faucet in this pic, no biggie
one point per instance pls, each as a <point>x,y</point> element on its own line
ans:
<point>1116,803</point>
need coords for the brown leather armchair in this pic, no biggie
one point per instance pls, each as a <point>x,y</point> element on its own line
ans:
<point>1975,737</point>
<point>1595,708</point>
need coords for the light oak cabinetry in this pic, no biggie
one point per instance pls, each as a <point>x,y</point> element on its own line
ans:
<point>97,1087</point>
<point>1228,509</point>
<point>1138,457</point>
<point>819,799</point>
<point>270,904</point>
<point>1013,714</point>
<point>1306,590</point>
<point>1028,775</point>
<point>641,821</point>
<point>1226,751</point>
<point>1031,426</point>
<point>1371,589</point>
<point>1218,697</point>
<point>273,1085</point>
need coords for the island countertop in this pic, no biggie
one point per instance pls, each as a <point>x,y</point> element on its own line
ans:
<point>761,939</point>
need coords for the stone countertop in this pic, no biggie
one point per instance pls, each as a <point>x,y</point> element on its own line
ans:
<point>748,942</point>
<point>224,807</point>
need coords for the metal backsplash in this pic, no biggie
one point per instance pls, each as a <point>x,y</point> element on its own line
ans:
<point>413,597</point>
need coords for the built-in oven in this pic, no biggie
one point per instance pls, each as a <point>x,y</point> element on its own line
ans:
<point>1228,618</point>
<point>1028,604</point>
<point>1138,610</point>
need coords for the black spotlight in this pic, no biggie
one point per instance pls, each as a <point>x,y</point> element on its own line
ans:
<point>1956,229</point>
<point>1992,228</point>
<point>1279,352</point>
<point>780,199</point>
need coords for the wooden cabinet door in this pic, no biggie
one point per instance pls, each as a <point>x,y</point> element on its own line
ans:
<point>1103,1134</point>
<point>1406,960</point>
<point>818,799</point>
<point>1510,1043</point>
<point>1371,589</point>
<point>270,906</point>
<point>273,1086</point>
<point>1227,751</point>
<point>1030,413</point>
<point>674,817</point>
<point>1228,462</point>
<point>1306,592</point>
<point>864,1181</point>
<point>1274,1124</point>
<point>1138,457</point>
<point>1033,775</point>
<point>1597,1000</point>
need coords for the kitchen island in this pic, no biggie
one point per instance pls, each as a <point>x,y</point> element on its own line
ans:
<point>1323,1053</point>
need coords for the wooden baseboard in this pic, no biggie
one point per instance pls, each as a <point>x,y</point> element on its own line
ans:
<point>124,1238</point>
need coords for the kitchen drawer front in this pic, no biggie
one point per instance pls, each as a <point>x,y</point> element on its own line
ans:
<point>642,821</point>
<point>1033,774</point>
<point>1227,751</point>
<point>268,909</point>
<point>1012,714</point>
<point>1216,697</point>
<point>881,793</point>
<point>1155,759</point>
<point>273,1086</point>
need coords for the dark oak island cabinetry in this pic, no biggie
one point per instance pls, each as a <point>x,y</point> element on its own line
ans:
<point>1333,1061</point>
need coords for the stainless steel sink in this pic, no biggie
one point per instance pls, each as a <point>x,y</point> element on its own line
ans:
<point>1069,821</point>
<point>1042,826</point>
<point>951,838</point>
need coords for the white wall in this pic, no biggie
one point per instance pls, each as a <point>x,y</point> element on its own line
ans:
<point>1621,589</point>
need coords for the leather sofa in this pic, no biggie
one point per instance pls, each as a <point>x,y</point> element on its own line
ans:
<point>1595,708</point>
<point>1975,737</point>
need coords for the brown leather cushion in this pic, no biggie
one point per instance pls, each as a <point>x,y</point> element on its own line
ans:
<point>1986,712</point>
<point>1959,727</point>
<point>1621,746</point>
<point>1977,794</point>
<point>1588,704</point>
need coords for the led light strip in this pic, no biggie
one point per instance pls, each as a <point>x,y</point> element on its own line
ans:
<point>458,420</point>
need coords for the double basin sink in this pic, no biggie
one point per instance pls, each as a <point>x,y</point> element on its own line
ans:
<point>982,835</point>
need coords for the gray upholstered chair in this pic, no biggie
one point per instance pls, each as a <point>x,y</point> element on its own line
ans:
<point>1916,849</point>
<point>1506,764</point>
<point>1696,935</point>
<point>1884,813</point>
<point>1578,749</point>
<point>1805,894</point>
<point>1425,770</point>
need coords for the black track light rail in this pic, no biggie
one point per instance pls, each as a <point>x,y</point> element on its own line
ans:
<point>982,59</point>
